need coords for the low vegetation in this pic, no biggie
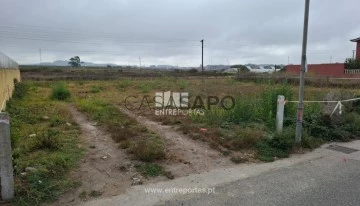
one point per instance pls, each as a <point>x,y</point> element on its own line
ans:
<point>250,125</point>
<point>60,92</point>
<point>45,138</point>
<point>150,169</point>
<point>44,141</point>
<point>138,141</point>
<point>351,63</point>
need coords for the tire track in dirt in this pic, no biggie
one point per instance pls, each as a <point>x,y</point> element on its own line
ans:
<point>184,155</point>
<point>104,171</point>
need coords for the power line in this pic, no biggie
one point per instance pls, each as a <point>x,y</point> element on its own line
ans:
<point>83,33</point>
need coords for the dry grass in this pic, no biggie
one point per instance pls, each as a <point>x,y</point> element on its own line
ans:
<point>220,133</point>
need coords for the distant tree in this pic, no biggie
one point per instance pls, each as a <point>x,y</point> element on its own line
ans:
<point>279,68</point>
<point>108,66</point>
<point>75,61</point>
<point>351,63</point>
<point>193,71</point>
<point>241,68</point>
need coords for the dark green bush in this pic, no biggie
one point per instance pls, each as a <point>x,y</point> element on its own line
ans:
<point>151,169</point>
<point>350,122</point>
<point>21,89</point>
<point>278,146</point>
<point>351,63</point>
<point>60,92</point>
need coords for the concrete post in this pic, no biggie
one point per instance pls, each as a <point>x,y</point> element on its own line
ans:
<point>280,113</point>
<point>6,167</point>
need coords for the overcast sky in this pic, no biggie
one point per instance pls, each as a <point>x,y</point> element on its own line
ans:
<point>169,31</point>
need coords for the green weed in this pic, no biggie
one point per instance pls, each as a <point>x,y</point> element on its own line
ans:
<point>52,150</point>
<point>96,89</point>
<point>183,84</point>
<point>60,92</point>
<point>123,84</point>
<point>151,169</point>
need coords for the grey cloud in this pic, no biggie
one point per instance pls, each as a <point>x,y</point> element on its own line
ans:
<point>169,31</point>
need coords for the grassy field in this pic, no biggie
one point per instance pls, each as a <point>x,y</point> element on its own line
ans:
<point>249,126</point>
<point>45,139</point>
<point>45,144</point>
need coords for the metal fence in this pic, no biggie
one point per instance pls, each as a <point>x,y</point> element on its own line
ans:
<point>352,71</point>
<point>7,63</point>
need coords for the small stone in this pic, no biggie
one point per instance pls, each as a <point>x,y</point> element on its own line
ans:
<point>104,157</point>
<point>203,130</point>
<point>68,124</point>
<point>169,175</point>
<point>136,181</point>
<point>30,169</point>
<point>123,168</point>
<point>94,123</point>
<point>32,135</point>
<point>45,117</point>
<point>23,174</point>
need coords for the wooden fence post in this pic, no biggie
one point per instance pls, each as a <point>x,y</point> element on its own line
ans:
<point>6,167</point>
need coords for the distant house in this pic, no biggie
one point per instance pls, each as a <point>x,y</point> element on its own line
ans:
<point>216,67</point>
<point>230,71</point>
<point>336,70</point>
<point>260,68</point>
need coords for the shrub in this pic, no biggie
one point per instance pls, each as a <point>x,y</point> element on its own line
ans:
<point>267,153</point>
<point>284,140</point>
<point>310,142</point>
<point>245,138</point>
<point>350,122</point>
<point>149,149</point>
<point>351,63</point>
<point>96,89</point>
<point>355,105</point>
<point>192,71</point>
<point>123,84</point>
<point>145,87</point>
<point>60,92</point>
<point>151,169</point>
<point>278,146</point>
<point>183,84</point>
<point>21,90</point>
<point>246,109</point>
<point>49,140</point>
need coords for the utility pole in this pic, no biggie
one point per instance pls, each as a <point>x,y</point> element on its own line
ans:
<point>40,56</point>
<point>202,56</point>
<point>300,108</point>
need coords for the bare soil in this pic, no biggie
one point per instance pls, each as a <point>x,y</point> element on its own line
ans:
<point>104,171</point>
<point>184,155</point>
